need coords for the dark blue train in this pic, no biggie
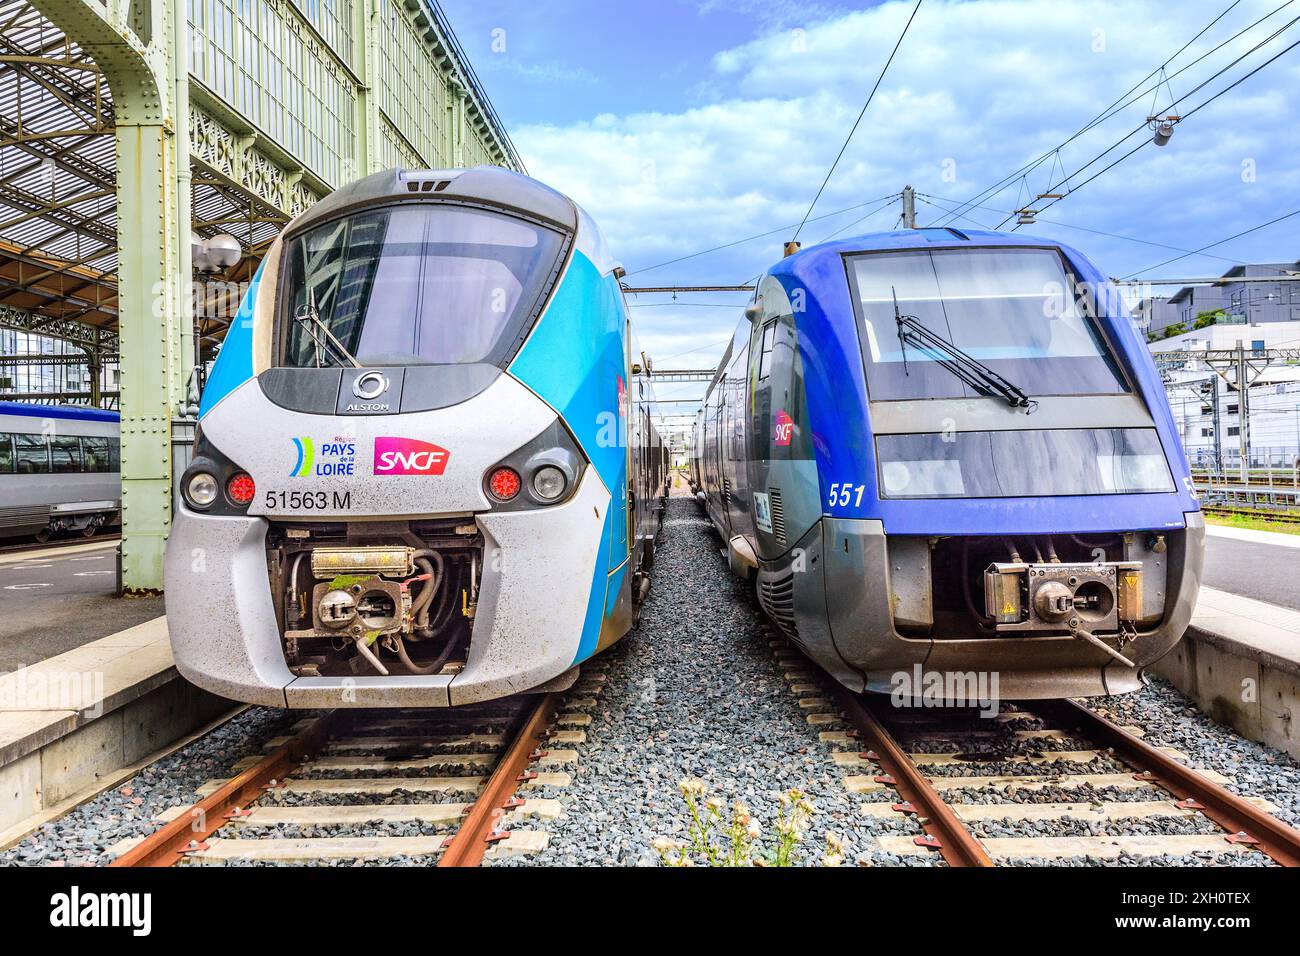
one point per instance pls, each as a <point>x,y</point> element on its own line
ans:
<point>947,452</point>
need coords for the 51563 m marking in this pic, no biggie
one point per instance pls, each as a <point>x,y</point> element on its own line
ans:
<point>308,500</point>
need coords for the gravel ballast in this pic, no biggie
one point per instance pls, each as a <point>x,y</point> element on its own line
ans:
<point>129,809</point>
<point>695,693</point>
<point>699,692</point>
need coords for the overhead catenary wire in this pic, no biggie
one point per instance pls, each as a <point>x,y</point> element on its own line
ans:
<point>930,200</point>
<point>1131,96</point>
<point>830,172</point>
<point>1105,114</point>
<point>1238,235</point>
<point>892,199</point>
<point>761,235</point>
<point>1204,103</point>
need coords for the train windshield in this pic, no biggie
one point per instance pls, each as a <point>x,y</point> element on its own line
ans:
<point>414,284</point>
<point>1009,308</point>
<point>1022,464</point>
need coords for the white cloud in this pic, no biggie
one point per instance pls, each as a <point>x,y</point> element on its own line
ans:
<point>985,85</point>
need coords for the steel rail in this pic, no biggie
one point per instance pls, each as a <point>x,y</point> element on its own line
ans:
<point>187,833</point>
<point>480,828</point>
<point>944,831</point>
<point>1245,822</point>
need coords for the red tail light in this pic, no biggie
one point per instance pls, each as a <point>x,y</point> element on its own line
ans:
<point>505,484</point>
<point>241,489</point>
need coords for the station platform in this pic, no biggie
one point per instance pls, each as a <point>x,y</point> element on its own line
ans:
<point>1240,662</point>
<point>59,597</point>
<point>1240,658</point>
<point>73,724</point>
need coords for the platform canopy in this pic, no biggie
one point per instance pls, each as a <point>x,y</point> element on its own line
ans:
<point>261,150</point>
<point>131,128</point>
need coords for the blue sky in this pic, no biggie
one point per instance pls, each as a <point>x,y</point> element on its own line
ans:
<point>686,124</point>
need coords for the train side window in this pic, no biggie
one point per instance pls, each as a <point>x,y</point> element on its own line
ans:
<point>6,454</point>
<point>31,455</point>
<point>65,454</point>
<point>114,455</point>
<point>94,454</point>
<point>765,356</point>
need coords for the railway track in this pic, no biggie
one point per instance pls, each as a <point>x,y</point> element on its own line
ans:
<point>938,764</point>
<point>404,786</point>
<point>1280,515</point>
<point>1280,478</point>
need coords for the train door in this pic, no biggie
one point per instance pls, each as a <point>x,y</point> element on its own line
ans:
<point>782,469</point>
<point>736,452</point>
<point>713,459</point>
<point>623,528</point>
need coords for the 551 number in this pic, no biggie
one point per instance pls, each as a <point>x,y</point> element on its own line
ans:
<point>842,493</point>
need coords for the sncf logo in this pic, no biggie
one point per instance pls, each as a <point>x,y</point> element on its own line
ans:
<point>407,456</point>
<point>783,430</point>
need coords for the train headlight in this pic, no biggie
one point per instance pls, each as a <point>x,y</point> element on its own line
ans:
<point>505,483</point>
<point>549,482</point>
<point>201,490</point>
<point>241,489</point>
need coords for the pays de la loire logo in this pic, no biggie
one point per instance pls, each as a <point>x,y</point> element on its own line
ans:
<point>783,430</point>
<point>335,458</point>
<point>409,456</point>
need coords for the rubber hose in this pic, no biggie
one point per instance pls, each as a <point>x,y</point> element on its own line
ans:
<point>426,669</point>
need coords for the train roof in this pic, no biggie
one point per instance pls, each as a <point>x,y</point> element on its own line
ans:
<point>491,185</point>
<point>70,412</point>
<point>928,238</point>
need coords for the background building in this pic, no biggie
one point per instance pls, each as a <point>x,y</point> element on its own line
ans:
<point>1195,388</point>
<point>1225,303</point>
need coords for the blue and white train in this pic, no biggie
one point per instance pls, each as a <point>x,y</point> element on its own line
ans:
<point>945,453</point>
<point>59,469</point>
<point>426,472</point>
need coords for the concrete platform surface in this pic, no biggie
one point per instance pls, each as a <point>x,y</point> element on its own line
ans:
<point>1263,565</point>
<point>1255,629</point>
<point>72,720</point>
<point>55,599</point>
<point>1240,661</point>
<point>68,689</point>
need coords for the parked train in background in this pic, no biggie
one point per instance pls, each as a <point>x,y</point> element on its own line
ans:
<point>950,451</point>
<point>426,471</point>
<point>59,470</point>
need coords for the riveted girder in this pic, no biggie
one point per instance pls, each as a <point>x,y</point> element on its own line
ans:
<point>135,46</point>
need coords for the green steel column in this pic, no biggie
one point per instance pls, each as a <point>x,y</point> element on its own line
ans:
<point>137,45</point>
<point>366,23</point>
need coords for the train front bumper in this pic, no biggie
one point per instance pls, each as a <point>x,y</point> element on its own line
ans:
<point>534,596</point>
<point>867,645</point>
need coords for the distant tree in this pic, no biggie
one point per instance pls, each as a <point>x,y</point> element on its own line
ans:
<point>1204,319</point>
<point>1178,328</point>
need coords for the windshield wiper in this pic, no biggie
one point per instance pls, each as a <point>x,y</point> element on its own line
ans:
<point>972,372</point>
<point>321,335</point>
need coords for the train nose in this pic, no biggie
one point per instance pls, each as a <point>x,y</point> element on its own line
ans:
<point>408,554</point>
